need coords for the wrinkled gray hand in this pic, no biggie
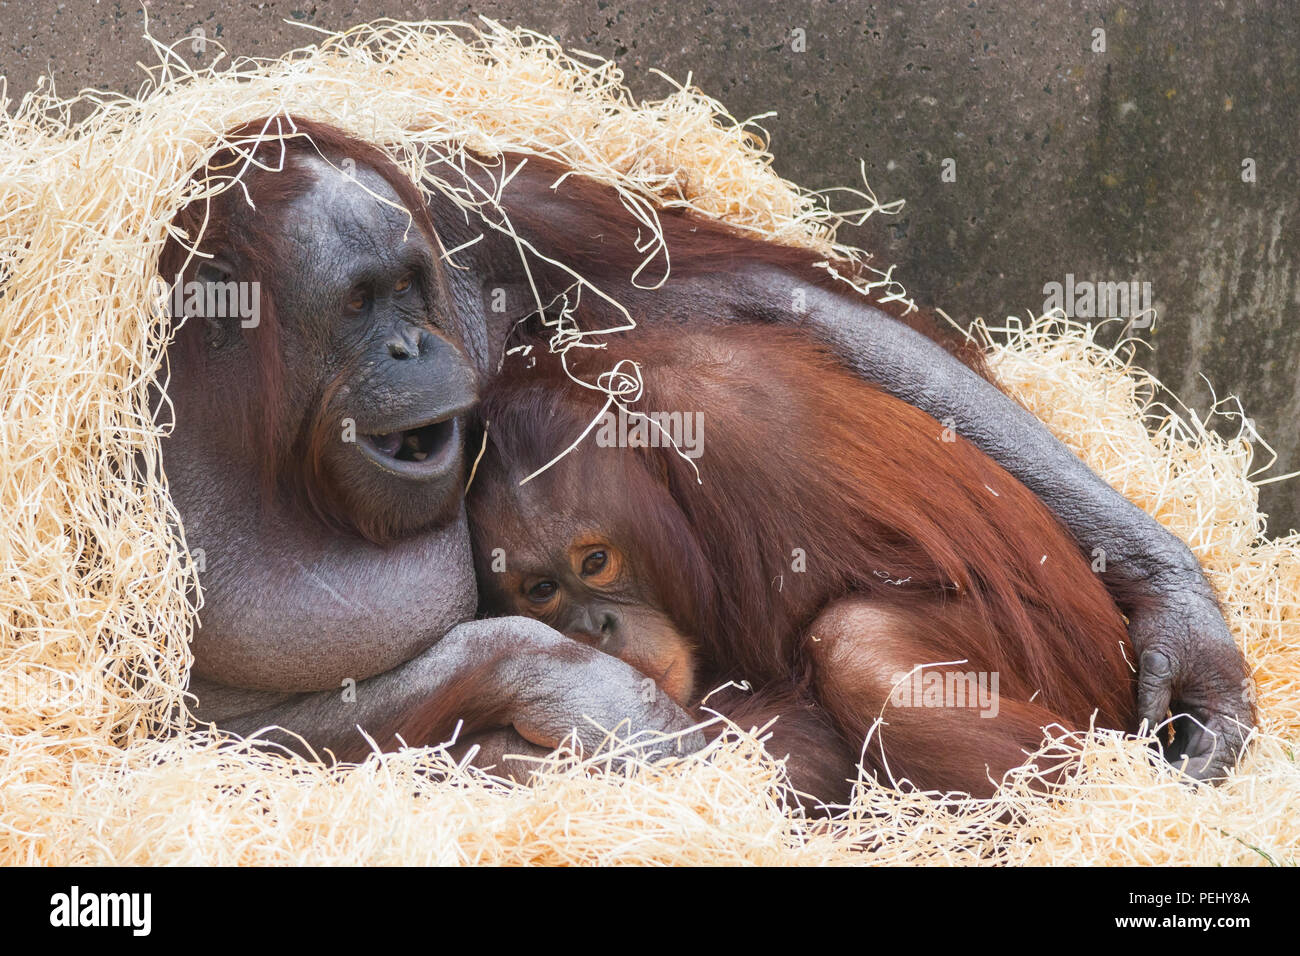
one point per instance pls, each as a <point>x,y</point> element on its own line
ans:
<point>1189,663</point>
<point>560,686</point>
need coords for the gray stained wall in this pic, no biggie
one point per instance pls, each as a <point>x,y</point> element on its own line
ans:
<point>1029,146</point>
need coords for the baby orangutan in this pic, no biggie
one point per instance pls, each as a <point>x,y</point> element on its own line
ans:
<point>835,542</point>
<point>586,589</point>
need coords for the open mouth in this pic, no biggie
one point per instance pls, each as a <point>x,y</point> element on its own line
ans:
<point>416,450</point>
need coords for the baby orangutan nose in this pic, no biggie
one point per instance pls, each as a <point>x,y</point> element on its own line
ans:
<point>642,636</point>
<point>602,628</point>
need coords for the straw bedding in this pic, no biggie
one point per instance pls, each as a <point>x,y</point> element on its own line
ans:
<point>98,759</point>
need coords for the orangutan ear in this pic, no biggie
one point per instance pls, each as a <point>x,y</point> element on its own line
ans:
<point>215,269</point>
<point>219,329</point>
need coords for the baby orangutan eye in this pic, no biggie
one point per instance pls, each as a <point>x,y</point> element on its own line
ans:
<point>594,563</point>
<point>541,592</point>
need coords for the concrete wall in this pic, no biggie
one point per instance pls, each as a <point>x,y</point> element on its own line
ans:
<point>1115,164</point>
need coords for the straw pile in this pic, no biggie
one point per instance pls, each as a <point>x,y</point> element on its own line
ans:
<point>98,763</point>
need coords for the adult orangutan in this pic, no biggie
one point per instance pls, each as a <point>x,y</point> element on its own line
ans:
<point>1185,657</point>
<point>809,536</point>
<point>330,559</point>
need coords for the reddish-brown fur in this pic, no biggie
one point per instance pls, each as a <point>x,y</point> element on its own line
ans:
<point>960,561</point>
<point>585,224</point>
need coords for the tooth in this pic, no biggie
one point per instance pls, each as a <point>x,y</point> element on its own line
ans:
<point>388,443</point>
<point>420,455</point>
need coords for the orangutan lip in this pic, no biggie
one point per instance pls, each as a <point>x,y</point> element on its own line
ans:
<point>419,451</point>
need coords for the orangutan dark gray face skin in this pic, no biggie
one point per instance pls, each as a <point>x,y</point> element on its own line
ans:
<point>380,333</point>
<point>375,381</point>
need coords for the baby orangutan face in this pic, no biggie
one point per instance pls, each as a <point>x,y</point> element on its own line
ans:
<point>583,586</point>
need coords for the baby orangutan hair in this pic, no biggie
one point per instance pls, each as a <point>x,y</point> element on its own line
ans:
<point>834,542</point>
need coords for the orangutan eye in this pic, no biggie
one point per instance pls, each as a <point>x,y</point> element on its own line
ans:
<point>357,301</point>
<point>402,284</point>
<point>594,563</point>
<point>541,592</point>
